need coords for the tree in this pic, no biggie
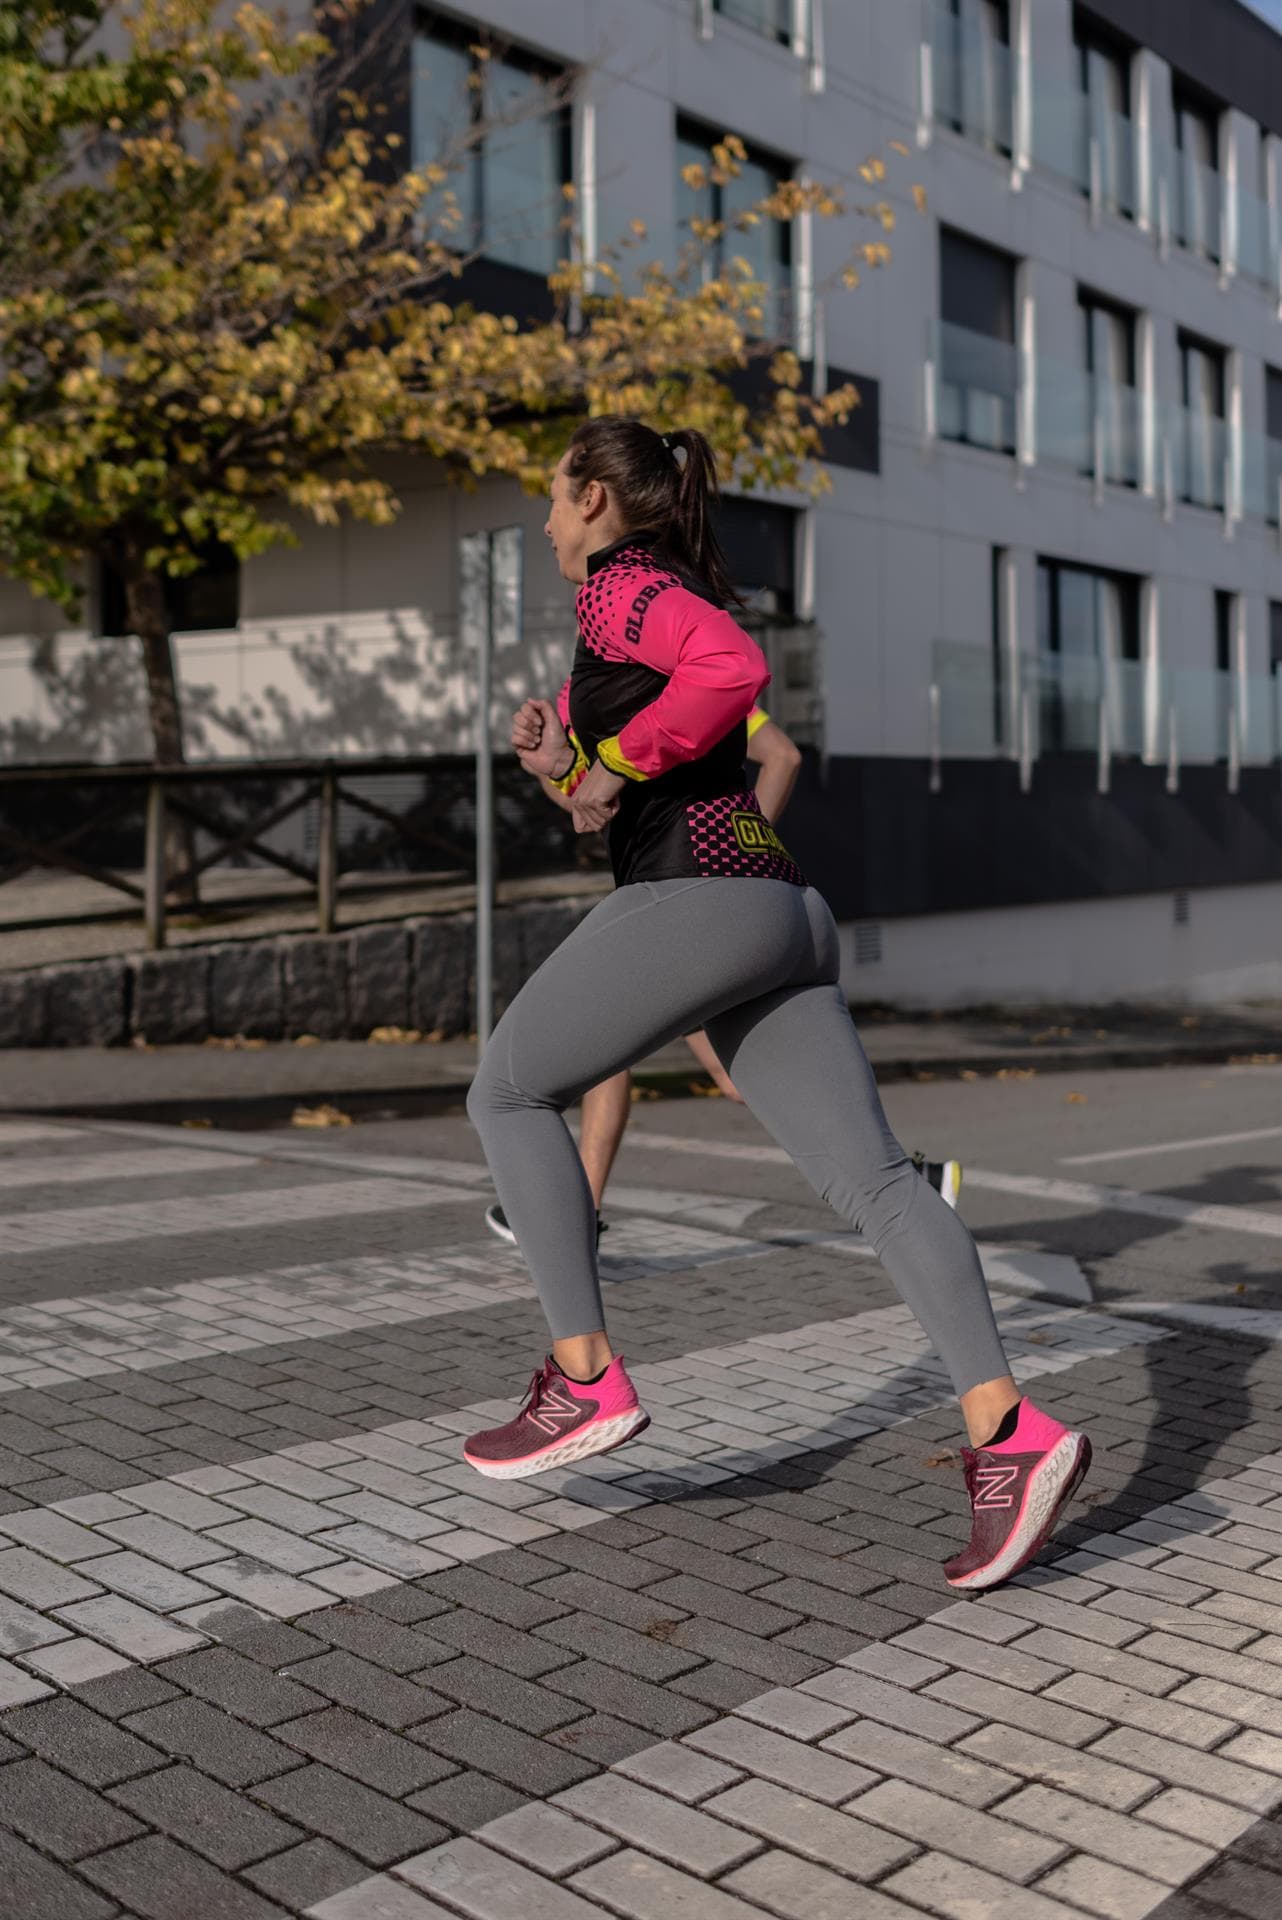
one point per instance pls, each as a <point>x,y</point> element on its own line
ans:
<point>223,297</point>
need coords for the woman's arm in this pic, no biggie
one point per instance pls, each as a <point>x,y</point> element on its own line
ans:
<point>715,672</point>
<point>780,761</point>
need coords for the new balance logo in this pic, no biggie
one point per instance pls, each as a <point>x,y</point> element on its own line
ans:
<point>991,1487</point>
<point>556,1405</point>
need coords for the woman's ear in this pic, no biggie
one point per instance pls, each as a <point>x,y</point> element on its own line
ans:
<point>593,500</point>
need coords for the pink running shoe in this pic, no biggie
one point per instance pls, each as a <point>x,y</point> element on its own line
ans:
<point>1018,1490</point>
<point>562,1421</point>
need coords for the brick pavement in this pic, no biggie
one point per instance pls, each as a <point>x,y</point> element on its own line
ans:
<point>717,1674</point>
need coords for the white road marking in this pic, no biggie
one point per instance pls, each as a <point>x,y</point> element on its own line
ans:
<point>1071,1193</point>
<point>1098,1577</point>
<point>15,1133</point>
<point>1171,1146</point>
<point>79,1169</point>
<point>1154,1206</point>
<point>286,1533</point>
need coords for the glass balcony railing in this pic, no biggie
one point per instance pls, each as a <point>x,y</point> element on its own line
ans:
<point>972,75</point>
<point>1093,426</point>
<point>986,705</point>
<point>979,387</point>
<point>1196,202</point>
<point>1199,448</point>
<point>1257,239</point>
<point>1261,476</point>
<point>1082,140</point>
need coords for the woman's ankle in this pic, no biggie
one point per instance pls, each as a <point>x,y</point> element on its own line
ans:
<point>584,1356</point>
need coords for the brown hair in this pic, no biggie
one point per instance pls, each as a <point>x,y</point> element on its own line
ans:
<point>657,494</point>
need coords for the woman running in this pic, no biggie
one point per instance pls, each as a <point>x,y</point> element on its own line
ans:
<point>711,925</point>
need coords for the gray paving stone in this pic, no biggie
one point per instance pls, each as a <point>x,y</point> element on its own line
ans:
<point>1013,1666</point>
<point>36,1889</point>
<point>1100,1887</point>
<point>790,1763</point>
<point>980,1838</point>
<point>213,1741</point>
<point>57,1814</point>
<point>742,1610</point>
<point>658,1709</point>
<point>522,1653</point>
<point>160,1880</point>
<point>945,1885</point>
<point>795,1821</point>
<point>535,1767</point>
<point>387,1643</point>
<point>493,1691</point>
<point>227,1679</point>
<point>1185,1767</point>
<point>799,1890</point>
<point>347,1742</point>
<point>1069,1768</point>
<point>618,1646</point>
<point>38,1582</point>
<point>943,1770</point>
<point>305,1875</point>
<point>644,1889</point>
<point>1129,1843</point>
<point>83,1744</point>
<point>467,1800</point>
<point>547,1839</point>
<point>895,1706</point>
<point>359,1684</point>
<point>487,1885</point>
<point>679,1771</point>
<point>1174,1717</point>
<point>769,1660</point>
<point>800,1715</point>
<point>636,1814</point>
<point>370,1825</point>
<point>225,1827</point>
<point>1196,1817</point>
<point>128,1690</point>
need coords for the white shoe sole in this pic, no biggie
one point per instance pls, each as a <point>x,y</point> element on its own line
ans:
<point>601,1437</point>
<point>1048,1490</point>
<point>503,1233</point>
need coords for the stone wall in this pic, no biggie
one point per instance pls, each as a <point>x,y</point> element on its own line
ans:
<point>404,973</point>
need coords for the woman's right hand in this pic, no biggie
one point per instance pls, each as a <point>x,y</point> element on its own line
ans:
<point>540,739</point>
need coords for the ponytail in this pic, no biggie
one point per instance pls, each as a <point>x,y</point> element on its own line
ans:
<point>664,486</point>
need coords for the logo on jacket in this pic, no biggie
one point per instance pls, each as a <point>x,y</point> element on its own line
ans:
<point>756,835</point>
<point>636,614</point>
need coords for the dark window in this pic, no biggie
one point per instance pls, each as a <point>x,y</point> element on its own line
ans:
<point>972,70</point>
<point>727,204</point>
<point>1112,426</point>
<point>1106,160</point>
<point>978,364</point>
<point>509,180</point>
<point>1223,631</point>
<point>1275,635</point>
<point>1273,403</point>
<point>1197,185</point>
<point>759,539</point>
<point>1088,629</point>
<point>1204,445</point>
<point>1224,703</point>
<point>206,601</point>
<point>775,18</point>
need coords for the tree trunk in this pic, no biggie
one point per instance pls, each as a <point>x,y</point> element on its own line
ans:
<point>147,615</point>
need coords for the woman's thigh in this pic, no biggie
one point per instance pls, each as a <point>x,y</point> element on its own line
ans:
<point>654,961</point>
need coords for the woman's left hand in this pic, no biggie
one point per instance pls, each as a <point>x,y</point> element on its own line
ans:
<point>595,800</point>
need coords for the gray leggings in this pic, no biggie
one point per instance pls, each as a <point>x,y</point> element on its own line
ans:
<point>755,962</point>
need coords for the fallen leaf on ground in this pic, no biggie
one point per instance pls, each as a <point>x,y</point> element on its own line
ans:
<point>307,1040</point>
<point>705,1090</point>
<point>644,1093</point>
<point>319,1117</point>
<point>968,1073</point>
<point>394,1037</point>
<point>197,1123</point>
<point>1015,1073</point>
<point>944,1459</point>
<point>1075,1099</point>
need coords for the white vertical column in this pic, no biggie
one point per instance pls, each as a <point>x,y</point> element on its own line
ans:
<point>1021,43</point>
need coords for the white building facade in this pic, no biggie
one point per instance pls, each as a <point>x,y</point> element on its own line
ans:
<point>1034,632</point>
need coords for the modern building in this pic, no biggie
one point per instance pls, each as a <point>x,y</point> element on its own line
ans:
<point>1034,632</point>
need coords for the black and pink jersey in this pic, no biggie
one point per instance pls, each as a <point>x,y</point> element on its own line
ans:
<point>660,692</point>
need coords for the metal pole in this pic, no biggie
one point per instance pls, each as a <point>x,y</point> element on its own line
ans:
<point>1025,741</point>
<point>1104,774</point>
<point>1235,752</point>
<point>1172,751</point>
<point>936,771</point>
<point>327,854</point>
<point>154,866</point>
<point>485,806</point>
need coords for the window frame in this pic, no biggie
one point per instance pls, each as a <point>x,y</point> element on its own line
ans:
<point>777,36</point>
<point>693,132</point>
<point>430,25</point>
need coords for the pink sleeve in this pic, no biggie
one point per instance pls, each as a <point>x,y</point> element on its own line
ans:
<point>716,672</point>
<point>563,706</point>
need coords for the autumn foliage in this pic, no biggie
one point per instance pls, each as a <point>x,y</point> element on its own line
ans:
<point>224,300</point>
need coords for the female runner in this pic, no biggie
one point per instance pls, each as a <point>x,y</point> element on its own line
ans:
<point>711,925</point>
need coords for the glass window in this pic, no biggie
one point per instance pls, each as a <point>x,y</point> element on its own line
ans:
<point>978,362</point>
<point>508,181</point>
<point>1197,182</point>
<point>766,246</point>
<point>1108,160</point>
<point>1205,437</point>
<point>775,18</point>
<point>973,79</point>
<point>1088,641</point>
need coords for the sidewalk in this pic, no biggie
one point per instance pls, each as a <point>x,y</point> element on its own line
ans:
<point>256,1083</point>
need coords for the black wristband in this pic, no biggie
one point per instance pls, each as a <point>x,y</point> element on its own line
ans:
<point>570,769</point>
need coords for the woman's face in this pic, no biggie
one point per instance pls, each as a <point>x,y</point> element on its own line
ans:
<point>575,526</point>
